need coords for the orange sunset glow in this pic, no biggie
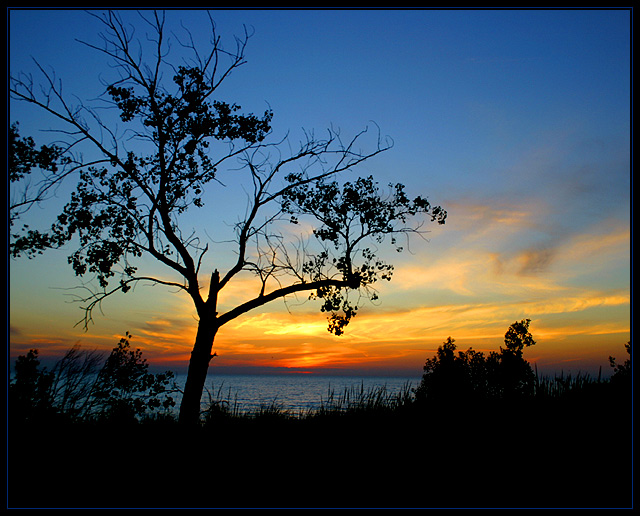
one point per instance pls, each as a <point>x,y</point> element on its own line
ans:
<point>537,191</point>
<point>576,328</point>
<point>252,247</point>
<point>472,295</point>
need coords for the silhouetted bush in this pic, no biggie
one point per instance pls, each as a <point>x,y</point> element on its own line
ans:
<point>79,388</point>
<point>622,372</point>
<point>125,390</point>
<point>469,375</point>
<point>30,390</point>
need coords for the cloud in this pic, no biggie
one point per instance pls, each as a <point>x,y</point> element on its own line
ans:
<point>489,318</point>
<point>165,333</point>
<point>408,335</point>
<point>493,243</point>
<point>601,241</point>
<point>494,264</point>
<point>308,355</point>
<point>535,260</point>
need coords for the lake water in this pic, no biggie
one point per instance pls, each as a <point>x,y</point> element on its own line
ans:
<point>295,392</point>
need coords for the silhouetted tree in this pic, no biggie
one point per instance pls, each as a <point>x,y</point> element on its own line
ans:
<point>125,390</point>
<point>128,203</point>
<point>451,376</point>
<point>622,375</point>
<point>509,374</point>
<point>469,375</point>
<point>30,389</point>
<point>83,385</point>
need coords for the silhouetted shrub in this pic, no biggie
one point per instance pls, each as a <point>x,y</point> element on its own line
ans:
<point>80,388</point>
<point>125,390</point>
<point>469,375</point>
<point>622,372</point>
<point>30,390</point>
<point>515,377</point>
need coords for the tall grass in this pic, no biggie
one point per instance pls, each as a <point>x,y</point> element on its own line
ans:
<point>219,406</point>
<point>358,400</point>
<point>379,400</point>
<point>563,386</point>
<point>354,400</point>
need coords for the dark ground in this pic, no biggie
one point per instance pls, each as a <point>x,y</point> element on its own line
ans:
<point>564,456</point>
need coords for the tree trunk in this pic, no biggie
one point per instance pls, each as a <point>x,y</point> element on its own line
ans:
<point>200,357</point>
<point>197,374</point>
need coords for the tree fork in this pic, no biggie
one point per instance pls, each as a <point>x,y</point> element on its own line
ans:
<point>200,356</point>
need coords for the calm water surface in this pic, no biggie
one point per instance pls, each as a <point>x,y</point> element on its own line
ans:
<point>291,392</point>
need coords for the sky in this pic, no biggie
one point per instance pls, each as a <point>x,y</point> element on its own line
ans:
<point>517,122</point>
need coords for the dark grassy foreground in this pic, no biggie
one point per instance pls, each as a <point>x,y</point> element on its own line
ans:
<point>551,451</point>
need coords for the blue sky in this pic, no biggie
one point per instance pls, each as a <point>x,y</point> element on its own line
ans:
<point>516,122</point>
